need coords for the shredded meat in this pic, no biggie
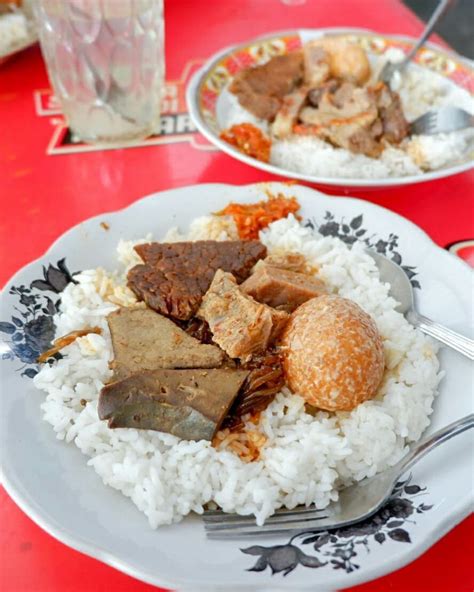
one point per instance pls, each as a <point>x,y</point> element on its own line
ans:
<point>288,114</point>
<point>394,125</point>
<point>264,381</point>
<point>198,329</point>
<point>359,119</point>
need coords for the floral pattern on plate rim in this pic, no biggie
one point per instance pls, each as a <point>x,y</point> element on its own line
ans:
<point>31,331</point>
<point>224,70</point>
<point>340,548</point>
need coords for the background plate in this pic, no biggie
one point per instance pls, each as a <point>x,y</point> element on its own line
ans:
<point>207,96</point>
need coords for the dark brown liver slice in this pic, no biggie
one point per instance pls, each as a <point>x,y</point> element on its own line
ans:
<point>175,276</point>
<point>190,404</point>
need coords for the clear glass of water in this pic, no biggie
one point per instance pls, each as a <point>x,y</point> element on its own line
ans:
<point>105,60</point>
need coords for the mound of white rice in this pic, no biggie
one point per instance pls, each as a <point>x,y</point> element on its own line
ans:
<point>420,91</point>
<point>305,458</point>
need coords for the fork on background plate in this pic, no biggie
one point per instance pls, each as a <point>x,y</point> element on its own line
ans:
<point>355,503</point>
<point>444,120</point>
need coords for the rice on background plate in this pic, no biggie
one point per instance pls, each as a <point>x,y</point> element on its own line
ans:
<point>305,458</point>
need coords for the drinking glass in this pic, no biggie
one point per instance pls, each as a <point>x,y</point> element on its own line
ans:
<point>105,60</point>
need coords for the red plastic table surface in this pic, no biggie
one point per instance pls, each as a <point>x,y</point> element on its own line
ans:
<point>47,185</point>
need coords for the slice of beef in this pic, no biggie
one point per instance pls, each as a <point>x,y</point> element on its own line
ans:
<point>190,404</point>
<point>175,276</point>
<point>315,94</point>
<point>346,118</point>
<point>145,340</point>
<point>240,325</point>
<point>281,288</point>
<point>288,113</point>
<point>260,89</point>
<point>395,126</point>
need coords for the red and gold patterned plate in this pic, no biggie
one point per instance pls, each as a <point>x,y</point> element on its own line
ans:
<point>207,96</point>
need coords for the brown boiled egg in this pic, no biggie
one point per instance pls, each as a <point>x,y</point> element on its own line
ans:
<point>332,353</point>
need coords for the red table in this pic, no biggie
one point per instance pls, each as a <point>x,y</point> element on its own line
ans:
<point>48,185</point>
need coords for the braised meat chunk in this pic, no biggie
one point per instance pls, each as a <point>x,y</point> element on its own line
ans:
<point>342,116</point>
<point>145,340</point>
<point>240,325</point>
<point>260,89</point>
<point>190,404</point>
<point>175,276</point>
<point>288,113</point>
<point>395,126</point>
<point>281,288</point>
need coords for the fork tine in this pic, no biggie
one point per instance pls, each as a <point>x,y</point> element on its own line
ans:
<point>227,531</point>
<point>215,516</point>
<point>276,520</point>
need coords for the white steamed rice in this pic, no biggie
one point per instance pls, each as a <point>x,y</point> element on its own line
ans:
<point>305,459</point>
<point>420,91</point>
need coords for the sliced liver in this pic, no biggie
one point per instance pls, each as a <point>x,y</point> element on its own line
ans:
<point>145,340</point>
<point>190,404</point>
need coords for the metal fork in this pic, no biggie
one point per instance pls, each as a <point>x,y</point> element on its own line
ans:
<point>444,120</point>
<point>391,67</point>
<point>356,503</point>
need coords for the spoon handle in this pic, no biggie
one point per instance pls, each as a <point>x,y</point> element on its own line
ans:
<point>433,440</point>
<point>456,341</point>
<point>435,17</point>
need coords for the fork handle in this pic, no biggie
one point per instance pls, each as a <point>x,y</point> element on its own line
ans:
<point>432,441</point>
<point>441,9</point>
<point>456,341</point>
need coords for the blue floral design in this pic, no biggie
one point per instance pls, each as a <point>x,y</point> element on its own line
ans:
<point>31,331</point>
<point>352,231</point>
<point>338,548</point>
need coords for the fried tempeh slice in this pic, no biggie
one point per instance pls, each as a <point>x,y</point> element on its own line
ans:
<point>175,276</point>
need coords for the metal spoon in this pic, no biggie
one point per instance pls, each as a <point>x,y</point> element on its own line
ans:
<point>402,290</point>
<point>390,68</point>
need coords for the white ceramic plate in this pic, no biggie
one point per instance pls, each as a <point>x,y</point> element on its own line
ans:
<point>51,482</point>
<point>208,99</point>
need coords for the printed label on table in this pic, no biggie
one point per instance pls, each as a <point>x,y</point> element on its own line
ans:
<point>176,124</point>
